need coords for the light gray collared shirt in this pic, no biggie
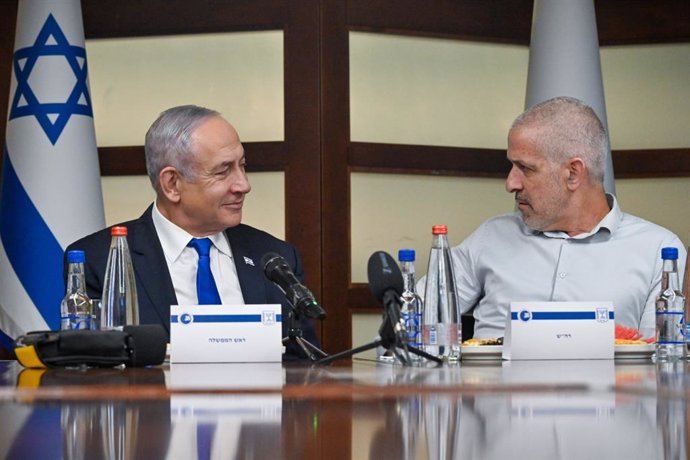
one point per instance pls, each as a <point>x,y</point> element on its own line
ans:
<point>618,261</point>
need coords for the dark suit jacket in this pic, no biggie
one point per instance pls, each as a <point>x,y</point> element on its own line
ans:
<point>155,290</point>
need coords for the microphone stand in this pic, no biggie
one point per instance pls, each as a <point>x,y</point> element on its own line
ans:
<point>295,336</point>
<point>392,336</point>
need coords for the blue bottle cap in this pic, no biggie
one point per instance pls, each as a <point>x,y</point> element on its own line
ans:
<point>75,257</point>
<point>406,255</point>
<point>669,253</point>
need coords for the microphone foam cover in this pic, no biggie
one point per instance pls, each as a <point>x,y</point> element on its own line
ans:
<point>148,344</point>
<point>272,258</point>
<point>383,274</point>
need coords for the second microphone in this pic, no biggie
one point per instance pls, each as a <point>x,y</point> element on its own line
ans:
<point>300,297</point>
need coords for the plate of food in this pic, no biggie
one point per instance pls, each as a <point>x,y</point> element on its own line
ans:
<point>495,352</point>
<point>633,349</point>
<point>482,349</point>
<point>629,344</point>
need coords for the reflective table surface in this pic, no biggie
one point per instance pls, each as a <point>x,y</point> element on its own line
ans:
<point>359,409</point>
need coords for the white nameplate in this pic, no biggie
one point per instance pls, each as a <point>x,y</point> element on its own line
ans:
<point>559,330</point>
<point>225,333</point>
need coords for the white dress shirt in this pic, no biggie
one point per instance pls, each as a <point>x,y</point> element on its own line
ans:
<point>618,261</point>
<point>182,263</point>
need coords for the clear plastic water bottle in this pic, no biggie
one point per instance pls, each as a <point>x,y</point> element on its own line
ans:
<point>119,303</point>
<point>670,311</point>
<point>411,303</point>
<point>686,293</point>
<point>441,332</point>
<point>76,311</point>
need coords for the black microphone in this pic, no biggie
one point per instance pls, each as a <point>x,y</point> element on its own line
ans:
<point>386,283</point>
<point>384,275</point>
<point>302,300</point>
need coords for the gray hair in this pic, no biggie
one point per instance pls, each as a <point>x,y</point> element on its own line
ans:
<point>568,128</point>
<point>168,141</point>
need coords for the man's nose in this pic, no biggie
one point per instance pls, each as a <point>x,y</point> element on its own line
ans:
<point>241,184</point>
<point>513,182</point>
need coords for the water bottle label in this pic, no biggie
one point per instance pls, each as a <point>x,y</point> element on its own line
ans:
<point>430,335</point>
<point>417,339</point>
<point>76,322</point>
<point>441,335</point>
<point>412,325</point>
<point>453,334</point>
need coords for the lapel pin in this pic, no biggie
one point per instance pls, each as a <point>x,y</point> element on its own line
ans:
<point>248,261</point>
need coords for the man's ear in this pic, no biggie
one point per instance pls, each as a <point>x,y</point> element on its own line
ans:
<point>169,180</point>
<point>577,173</point>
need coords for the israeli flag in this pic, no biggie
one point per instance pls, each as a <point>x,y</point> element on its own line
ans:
<point>50,190</point>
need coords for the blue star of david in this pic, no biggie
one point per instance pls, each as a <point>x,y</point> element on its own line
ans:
<point>25,103</point>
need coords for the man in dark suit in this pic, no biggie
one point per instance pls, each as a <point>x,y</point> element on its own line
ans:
<point>196,164</point>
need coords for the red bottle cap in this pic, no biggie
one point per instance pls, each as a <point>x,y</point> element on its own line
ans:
<point>439,230</point>
<point>118,231</point>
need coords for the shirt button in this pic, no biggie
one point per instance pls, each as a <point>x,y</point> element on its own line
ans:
<point>561,275</point>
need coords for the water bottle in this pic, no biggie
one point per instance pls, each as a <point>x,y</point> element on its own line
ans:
<point>411,303</point>
<point>119,302</point>
<point>441,332</point>
<point>670,311</point>
<point>686,294</point>
<point>75,309</point>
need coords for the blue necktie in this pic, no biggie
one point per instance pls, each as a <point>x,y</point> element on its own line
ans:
<point>206,290</point>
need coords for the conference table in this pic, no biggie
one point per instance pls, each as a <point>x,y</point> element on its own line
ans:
<point>354,409</point>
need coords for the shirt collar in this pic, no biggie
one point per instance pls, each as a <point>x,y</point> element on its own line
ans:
<point>608,224</point>
<point>612,219</point>
<point>175,239</point>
